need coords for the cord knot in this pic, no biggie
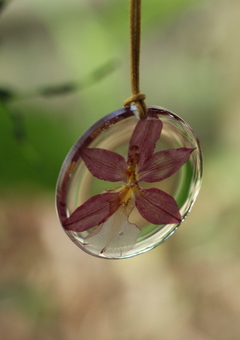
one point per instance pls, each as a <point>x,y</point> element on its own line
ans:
<point>138,100</point>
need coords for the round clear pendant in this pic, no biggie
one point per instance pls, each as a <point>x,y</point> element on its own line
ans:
<point>126,232</point>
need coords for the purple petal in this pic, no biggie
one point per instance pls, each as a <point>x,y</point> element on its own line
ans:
<point>163,164</point>
<point>144,138</point>
<point>93,212</point>
<point>105,164</point>
<point>157,207</point>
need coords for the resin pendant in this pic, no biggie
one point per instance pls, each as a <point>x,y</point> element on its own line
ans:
<point>127,184</point>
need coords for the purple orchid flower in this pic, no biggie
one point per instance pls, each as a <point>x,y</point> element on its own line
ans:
<point>110,210</point>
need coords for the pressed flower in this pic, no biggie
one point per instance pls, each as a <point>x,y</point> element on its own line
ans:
<point>109,211</point>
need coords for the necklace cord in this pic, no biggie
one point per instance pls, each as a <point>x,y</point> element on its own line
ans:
<point>135,32</point>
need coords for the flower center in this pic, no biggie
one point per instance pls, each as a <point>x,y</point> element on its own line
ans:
<point>132,162</point>
<point>131,176</point>
<point>126,192</point>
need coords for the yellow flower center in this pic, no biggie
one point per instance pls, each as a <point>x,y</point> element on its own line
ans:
<point>126,192</point>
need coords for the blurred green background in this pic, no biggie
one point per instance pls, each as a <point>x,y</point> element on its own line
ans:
<point>64,65</point>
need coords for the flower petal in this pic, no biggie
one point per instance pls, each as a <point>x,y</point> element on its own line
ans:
<point>116,236</point>
<point>163,164</point>
<point>105,164</point>
<point>93,212</point>
<point>157,207</point>
<point>144,138</point>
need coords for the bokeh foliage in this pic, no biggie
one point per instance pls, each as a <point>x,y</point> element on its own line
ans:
<point>41,117</point>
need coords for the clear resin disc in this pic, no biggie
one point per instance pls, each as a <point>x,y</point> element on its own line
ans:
<point>130,198</point>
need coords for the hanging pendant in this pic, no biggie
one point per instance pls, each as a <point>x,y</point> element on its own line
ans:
<point>127,184</point>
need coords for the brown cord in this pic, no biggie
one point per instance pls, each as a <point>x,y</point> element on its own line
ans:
<point>135,30</point>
